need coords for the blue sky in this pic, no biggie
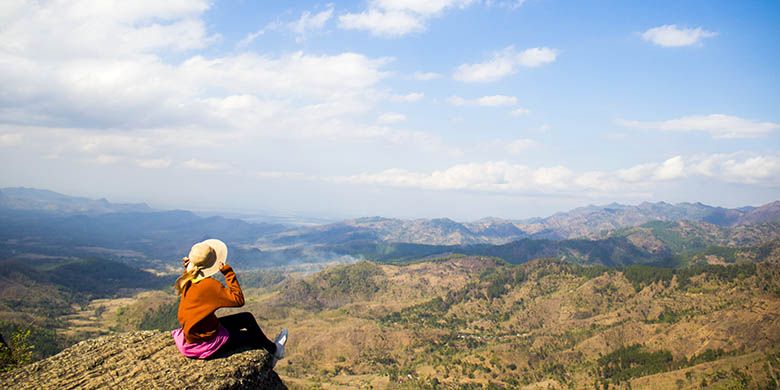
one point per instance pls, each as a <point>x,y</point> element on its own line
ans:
<point>457,108</point>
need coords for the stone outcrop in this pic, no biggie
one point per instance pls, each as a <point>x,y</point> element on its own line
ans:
<point>143,360</point>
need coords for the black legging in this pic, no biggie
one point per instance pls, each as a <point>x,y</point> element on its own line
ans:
<point>244,332</point>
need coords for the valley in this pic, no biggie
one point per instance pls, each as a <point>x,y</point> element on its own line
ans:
<point>685,303</point>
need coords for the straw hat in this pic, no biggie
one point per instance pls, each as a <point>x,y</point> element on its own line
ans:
<point>207,257</point>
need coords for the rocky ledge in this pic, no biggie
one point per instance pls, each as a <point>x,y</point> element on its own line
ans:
<point>143,360</point>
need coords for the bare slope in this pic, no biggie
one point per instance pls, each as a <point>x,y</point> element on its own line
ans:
<point>472,320</point>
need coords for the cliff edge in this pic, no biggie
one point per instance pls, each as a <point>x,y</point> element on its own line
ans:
<point>143,360</point>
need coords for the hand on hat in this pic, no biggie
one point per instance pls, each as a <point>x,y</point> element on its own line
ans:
<point>224,268</point>
<point>186,261</point>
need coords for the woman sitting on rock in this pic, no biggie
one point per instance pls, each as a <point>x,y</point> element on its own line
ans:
<point>202,333</point>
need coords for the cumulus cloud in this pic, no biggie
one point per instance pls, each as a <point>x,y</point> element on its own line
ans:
<point>395,18</point>
<point>504,63</point>
<point>504,177</point>
<point>670,35</point>
<point>83,29</point>
<point>115,77</point>
<point>739,168</point>
<point>716,125</point>
<point>484,101</point>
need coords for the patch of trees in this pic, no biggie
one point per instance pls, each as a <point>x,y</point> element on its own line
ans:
<point>336,286</point>
<point>590,272</point>
<point>260,278</point>
<point>643,275</point>
<point>25,343</point>
<point>164,317</point>
<point>498,280</point>
<point>431,313</point>
<point>635,361</point>
<point>89,278</point>
<point>16,352</point>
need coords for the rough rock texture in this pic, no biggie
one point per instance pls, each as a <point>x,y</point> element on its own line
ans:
<point>143,360</point>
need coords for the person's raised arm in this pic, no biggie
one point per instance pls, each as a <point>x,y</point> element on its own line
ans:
<point>230,296</point>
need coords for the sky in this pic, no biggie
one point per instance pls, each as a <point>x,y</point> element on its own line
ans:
<point>400,108</point>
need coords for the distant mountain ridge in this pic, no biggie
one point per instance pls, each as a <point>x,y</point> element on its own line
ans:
<point>585,222</point>
<point>594,220</point>
<point>21,198</point>
<point>589,222</point>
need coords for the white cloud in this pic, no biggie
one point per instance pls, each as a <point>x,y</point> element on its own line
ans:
<point>537,56</point>
<point>493,176</point>
<point>395,18</point>
<point>251,37</point>
<point>87,82</point>
<point>79,29</point>
<point>408,98</point>
<point>673,168</point>
<point>504,63</point>
<point>716,125</point>
<point>672,36</point>
<point>739,168</point>
<point>317,76</point>
<point>391,117</point>
<point>504,177</point>
<point>309,21</point>
<point>385,23</point>
<point>484,101</point>
<point>426,76</point>
<point>305,24</point>
<point>508,4</point>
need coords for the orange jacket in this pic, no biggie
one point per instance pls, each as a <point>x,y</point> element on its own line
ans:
<point>200,300</point>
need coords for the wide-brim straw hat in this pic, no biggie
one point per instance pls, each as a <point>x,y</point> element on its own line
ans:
<point>206,270</point>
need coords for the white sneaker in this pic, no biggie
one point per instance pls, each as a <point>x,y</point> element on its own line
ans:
<point>280,341</point>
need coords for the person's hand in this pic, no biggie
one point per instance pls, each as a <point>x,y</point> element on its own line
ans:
<point>224,267</point>
<point>186,261</point>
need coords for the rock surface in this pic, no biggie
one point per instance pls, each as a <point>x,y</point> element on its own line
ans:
<point>143,360</point>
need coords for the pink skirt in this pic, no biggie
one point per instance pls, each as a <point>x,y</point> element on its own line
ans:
<point>203,349</point>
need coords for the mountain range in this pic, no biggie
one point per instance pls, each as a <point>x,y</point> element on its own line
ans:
<point>584,222</point>
<point>47,223</point>
<point>32,199</point>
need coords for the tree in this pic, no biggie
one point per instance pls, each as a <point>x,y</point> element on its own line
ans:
<point>18,353</point>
